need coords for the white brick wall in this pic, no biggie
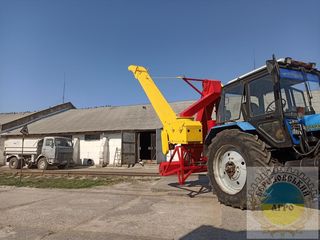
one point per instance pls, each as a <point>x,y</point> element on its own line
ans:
<point>91,149</point>
<point>114,142</point>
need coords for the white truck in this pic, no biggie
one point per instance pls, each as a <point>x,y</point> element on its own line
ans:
<point>40,153</point>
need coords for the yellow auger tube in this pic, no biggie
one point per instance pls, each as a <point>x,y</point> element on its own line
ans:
<point>175,130</point>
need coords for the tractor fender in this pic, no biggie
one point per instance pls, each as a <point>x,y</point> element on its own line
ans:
<point>243,126</point>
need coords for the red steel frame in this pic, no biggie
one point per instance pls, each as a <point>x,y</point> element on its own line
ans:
<point>190,156</point>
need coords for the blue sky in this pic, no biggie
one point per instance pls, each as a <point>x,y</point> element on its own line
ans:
<point>94,41</point>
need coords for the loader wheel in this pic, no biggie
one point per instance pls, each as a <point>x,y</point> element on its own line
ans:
<point>42,164</point>
<point>230,153</point>
<point>14,163</point>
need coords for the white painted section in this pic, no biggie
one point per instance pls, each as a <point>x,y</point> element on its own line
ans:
<point>92,149</point>
<point>114,142</point>
<point>104,152</point>
<point>76,151</point>
<point>175,157</point>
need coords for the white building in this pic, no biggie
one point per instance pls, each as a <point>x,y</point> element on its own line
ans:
<point>106,135</point>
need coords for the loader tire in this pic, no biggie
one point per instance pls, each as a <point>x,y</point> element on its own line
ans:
<point>229,155</point>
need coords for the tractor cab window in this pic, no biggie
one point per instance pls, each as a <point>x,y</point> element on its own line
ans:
<point>230,104</point>
<point>261,96</point>
<point>299,92</point>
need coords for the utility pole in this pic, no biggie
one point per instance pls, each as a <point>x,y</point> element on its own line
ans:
<point>254,60</point>
<point>24,132</point>
<point>64,86</point>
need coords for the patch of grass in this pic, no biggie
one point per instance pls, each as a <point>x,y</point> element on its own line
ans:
<point>53,182</point>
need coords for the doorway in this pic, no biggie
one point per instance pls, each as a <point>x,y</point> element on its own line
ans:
<point>147,145</point>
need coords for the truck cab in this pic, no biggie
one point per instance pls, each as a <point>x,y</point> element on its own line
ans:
<point>56,151</point>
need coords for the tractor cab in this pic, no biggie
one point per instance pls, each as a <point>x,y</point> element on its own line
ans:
<point>267,117</point>
<point>279,102</point>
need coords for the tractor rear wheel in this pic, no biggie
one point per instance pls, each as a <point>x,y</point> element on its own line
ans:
<point>229,155</point>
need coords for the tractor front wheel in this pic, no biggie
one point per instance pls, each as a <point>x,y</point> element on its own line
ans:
<point>230,153</point>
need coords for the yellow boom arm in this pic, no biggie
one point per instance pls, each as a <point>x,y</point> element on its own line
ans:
<point>176,130</point>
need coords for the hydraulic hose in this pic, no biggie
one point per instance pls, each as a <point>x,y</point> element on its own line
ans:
<point>314,149</point>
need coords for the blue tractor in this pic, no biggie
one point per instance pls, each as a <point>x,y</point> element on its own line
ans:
<point>266,117</point>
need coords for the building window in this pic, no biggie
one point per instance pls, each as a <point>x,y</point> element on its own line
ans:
<point>92,137</point>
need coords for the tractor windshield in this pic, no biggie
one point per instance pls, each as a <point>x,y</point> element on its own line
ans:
<point>299,92</point>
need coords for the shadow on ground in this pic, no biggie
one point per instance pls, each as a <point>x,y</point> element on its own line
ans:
<point>195,187</point>
<point>206,232</point>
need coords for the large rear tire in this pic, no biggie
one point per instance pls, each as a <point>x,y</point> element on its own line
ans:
<point>229,155</point>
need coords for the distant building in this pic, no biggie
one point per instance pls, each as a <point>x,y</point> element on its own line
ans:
<point>106,135</point>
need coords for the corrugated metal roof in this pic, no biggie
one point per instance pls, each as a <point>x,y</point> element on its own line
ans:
<point>137,117</point>
<point>34,116</point>
<point>9,117</point>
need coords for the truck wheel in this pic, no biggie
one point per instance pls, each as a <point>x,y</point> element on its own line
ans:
<point>42,164</point>
<point>230,153</point>
<point>14,163</point>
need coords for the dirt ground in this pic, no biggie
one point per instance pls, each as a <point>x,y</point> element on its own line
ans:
<point>152,209</point>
